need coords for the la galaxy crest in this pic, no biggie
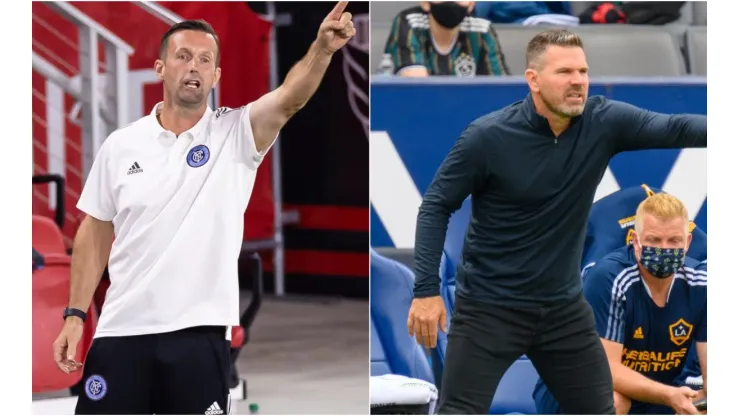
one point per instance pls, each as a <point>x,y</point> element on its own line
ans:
<point>465,65</point>
<point>680,331</point>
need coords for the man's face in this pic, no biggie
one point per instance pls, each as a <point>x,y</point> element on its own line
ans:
<point>189,70</point>
<point>660,233</point>
<point>562,80</point>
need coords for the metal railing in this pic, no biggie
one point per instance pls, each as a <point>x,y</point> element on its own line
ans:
<point>102,111</point>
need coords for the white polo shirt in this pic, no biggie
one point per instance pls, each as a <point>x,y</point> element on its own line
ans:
<point>177,206</point>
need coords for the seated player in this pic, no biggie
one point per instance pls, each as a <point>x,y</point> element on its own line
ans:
<point>650,305</point>
<point>442,38</point>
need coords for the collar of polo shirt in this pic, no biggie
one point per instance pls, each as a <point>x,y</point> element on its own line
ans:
<point>538,121</point>
<point>166,137</point>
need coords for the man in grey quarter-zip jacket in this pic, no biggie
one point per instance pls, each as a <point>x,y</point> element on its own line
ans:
<point>532,169</point>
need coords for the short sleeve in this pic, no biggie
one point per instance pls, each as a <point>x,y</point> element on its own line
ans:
<point>244,144</point>
<point>97,199</point>
<point>607,302</point>
<point>494,62</point>
<point>403,46</point>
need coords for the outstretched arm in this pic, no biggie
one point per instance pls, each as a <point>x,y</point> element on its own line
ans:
<point>639,129</point>
<point>270,113</point>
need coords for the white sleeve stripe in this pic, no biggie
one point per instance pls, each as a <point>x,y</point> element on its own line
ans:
<point>692,276</point>
<point>694,270</point>
<point>616,301</point>
<point>627,281</point>
<point>690,281</point>
<point>588,266</point>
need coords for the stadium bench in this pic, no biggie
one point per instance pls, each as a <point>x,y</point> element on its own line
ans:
<point>391,347</point>
<point>46,236</point>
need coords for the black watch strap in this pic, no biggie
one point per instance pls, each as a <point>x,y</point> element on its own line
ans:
<point>75,312</point>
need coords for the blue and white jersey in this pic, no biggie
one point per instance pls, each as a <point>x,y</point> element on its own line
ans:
<point>657,341</point>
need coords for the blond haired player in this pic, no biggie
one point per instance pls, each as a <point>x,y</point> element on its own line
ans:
<point>650,305</point>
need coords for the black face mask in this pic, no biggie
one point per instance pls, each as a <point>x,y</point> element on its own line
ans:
<point>449,14</point>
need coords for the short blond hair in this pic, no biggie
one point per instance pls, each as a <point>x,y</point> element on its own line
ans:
<point>662,206</point>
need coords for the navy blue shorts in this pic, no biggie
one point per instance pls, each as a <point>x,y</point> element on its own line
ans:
<point>181,372</point>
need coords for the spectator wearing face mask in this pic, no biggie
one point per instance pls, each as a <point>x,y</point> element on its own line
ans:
<point>443,38</point>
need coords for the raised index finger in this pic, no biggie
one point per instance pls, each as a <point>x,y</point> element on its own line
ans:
<point>336,13</point>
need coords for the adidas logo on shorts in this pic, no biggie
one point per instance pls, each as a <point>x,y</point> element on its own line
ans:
<point>214,409</point>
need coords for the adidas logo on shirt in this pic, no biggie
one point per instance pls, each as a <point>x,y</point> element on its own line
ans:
<point>135,168</point>
<point>214,409</point>
<point>638,333</point>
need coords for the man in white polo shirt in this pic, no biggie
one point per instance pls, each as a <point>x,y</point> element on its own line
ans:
<point>172,188</point>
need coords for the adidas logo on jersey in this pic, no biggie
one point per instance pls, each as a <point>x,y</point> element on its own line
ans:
<point>214,409</point>
<point>638,333</point>
<point>135,168</point>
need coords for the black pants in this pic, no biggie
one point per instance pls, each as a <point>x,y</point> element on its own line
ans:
<point>182,372</point>
<point>561,340</point>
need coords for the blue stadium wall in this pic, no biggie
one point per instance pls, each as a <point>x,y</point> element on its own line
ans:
<point>419,120</point>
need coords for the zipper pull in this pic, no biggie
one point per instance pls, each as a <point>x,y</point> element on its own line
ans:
<point>556,140</point>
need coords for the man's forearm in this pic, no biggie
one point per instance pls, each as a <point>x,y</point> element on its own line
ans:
<point>431,229</point>
<point>90,255</point>
<point>304,79</point>
<point>635,386</point>
<point>456,178</point>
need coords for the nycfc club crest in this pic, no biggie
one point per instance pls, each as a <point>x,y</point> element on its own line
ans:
<point>96,387</point>
<point>198,156</point>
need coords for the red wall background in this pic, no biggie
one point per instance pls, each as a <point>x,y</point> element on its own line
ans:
<point>244,41</point>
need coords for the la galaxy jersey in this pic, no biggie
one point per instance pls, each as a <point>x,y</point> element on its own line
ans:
<point>476,50</point>
<point>650,343</point>
<point>656,341</point>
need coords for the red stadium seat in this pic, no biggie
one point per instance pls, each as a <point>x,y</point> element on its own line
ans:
<point>46,237</point>
<point>50,296</point>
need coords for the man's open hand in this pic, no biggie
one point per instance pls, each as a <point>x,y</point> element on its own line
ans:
<point>337,29</point>
<point>681,400</point>
<point>425,315</point>
<point>65,346</point>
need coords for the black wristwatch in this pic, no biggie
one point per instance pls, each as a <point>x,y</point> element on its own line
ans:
<point>74,312</point>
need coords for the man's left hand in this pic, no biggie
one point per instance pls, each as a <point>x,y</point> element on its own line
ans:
<point>337,29</point>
